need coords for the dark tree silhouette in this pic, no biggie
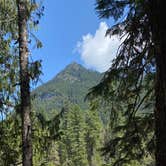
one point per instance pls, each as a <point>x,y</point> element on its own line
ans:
<point>143,51</point>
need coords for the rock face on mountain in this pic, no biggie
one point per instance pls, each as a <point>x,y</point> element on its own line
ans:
<point>69,86</point>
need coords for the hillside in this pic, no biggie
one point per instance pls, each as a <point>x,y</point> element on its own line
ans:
<point>69,86</point>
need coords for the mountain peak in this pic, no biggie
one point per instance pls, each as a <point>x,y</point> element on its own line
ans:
<point>73,72</point>
<point>71,85</point>
<point>74,66</point>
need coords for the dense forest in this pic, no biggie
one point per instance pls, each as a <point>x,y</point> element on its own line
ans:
<point>82,117</point>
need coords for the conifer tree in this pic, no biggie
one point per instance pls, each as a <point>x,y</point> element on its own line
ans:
<point>72,140</point>
<point>25,83</point>
<point>28,71</point>
<point>93,130</point>
<point>142,52</point>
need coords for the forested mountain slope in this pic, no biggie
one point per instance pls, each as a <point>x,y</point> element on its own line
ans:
<point>69,86</point>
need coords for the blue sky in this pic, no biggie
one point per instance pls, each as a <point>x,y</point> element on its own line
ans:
<point>68,31</point>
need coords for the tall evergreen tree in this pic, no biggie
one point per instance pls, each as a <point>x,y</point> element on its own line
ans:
<point>93,128</point>
<point>25,83</point>
<point>72,144</point>
<point>142,52</point>
<point>28,71</point>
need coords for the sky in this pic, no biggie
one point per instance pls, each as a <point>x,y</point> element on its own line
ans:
<point>72,32</point>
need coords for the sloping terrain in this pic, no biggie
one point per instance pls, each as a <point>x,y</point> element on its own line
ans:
<point>69,86</point>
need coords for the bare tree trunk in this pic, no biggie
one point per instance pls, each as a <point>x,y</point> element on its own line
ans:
<point>24,84</point>
<point>159,38</point>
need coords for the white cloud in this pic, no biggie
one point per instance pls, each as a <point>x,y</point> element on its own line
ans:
<point>97,51</point>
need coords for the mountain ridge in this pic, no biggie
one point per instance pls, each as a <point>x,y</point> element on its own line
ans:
<point>68,86</point>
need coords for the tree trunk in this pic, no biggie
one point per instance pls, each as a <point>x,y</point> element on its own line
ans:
<point>24,84</point>
<point>159,38</point>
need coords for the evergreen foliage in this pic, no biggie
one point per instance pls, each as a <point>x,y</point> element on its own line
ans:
<point>117,129</point>
<point>128,86</point>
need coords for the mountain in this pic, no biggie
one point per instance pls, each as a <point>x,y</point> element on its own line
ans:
<point>69,86</point>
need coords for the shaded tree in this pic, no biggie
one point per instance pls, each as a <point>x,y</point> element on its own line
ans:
<point>25,9</point>
<point>72,145</point>
<point>93,136</point>
<point>24,83</point>
<point>142,52</point>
